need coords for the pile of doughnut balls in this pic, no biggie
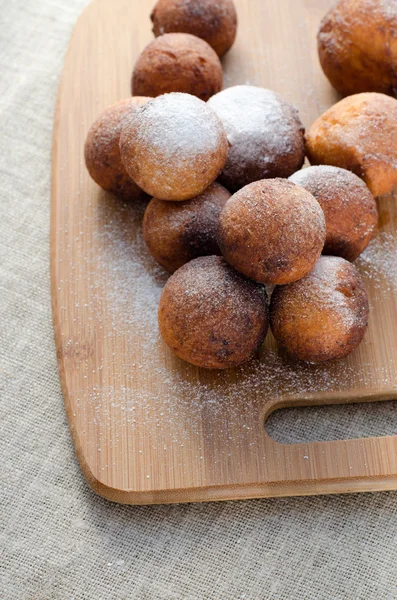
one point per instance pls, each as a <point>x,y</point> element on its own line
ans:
<point>232,215</point>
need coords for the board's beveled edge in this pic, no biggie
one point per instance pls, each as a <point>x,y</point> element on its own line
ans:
<point>85,467</point>
<point>245,492</point>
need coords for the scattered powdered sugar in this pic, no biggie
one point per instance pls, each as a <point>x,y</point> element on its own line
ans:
<point>378,262</point>
<point>147,386</point>
<point>132,279</point>
<point>142,384</point>
<point>178,395</point>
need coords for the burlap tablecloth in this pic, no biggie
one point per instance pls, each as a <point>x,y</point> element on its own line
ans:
<point>57,539</point>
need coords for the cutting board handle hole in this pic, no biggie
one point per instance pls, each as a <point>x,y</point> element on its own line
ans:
<point>332,422</point>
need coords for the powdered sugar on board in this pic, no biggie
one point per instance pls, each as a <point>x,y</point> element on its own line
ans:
<point>378,262</point>
<point>150,387</point>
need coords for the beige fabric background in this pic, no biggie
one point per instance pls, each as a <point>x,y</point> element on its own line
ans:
<point>57,539</point>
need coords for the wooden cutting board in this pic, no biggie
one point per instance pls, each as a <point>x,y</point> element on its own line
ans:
<point>147,427</point>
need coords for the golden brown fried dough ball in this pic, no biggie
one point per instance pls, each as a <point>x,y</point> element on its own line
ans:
<point>177,232</point>
<point>357,45</point>
<point>359,133</point>
<point>322,316</point>
<point>102,152</point>
<point>174,147</point>
<point>177,62</point>
<point>349,208</point>
<point>264,132</point>
<point>272,231</point>
<point>214,22</point>
<point>212,316</point>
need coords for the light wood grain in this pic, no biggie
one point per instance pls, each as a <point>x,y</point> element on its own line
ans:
<point>173,449</point>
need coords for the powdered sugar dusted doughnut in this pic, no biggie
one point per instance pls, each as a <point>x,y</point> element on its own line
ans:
<point>322,316</point>
<point>272,231</point>
<point>349,208</point>
<point>264,132</point>
<point>102,152</point>
<point>214,22</point>
<point>212,316</point>
<point>359,133</point>
<point>174,147</point>
<point>177,62</point>
<point>176,232</point>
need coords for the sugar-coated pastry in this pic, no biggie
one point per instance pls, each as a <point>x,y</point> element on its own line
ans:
<point>357,45</point>
<point>272,231</point>
<point>177,232</point>
<point>212,316</point>
<point>102,152</point>
<point>322,316</point>
<point>265,134</point>
<point>174,147</point>
<point>177,62</point>
<point>359,133</point>
<point>349,208</point>
<point>214,22</point>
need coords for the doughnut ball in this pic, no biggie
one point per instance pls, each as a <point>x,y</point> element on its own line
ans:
<point>272,231</point>
<point>211,316</point>
<point>177,62</point>
<point>102,152</point>
<point>349,208</point>
<point>214,22</point>
<point>177,232</point>
<point>359,133</point>
<point>322,316</point>
<point>357,45</point>
<point>265,135</point>
<point>174,147</point>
